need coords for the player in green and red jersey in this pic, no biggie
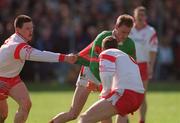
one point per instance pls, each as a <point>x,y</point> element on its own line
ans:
<point>94,50</point>
<point>90,73</point>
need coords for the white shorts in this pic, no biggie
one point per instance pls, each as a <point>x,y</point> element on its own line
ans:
<point>86,76</point>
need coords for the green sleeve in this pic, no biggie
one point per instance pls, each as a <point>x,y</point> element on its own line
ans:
<point>84,55</point>
<point>82,61</point>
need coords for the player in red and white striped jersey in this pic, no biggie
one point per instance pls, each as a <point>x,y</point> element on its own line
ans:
<point>123,90</point>
<point>13,54</point>
<point>146,43</point>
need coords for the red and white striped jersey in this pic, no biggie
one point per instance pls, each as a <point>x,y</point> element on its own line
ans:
<point>118,71</point>
<point>15,51</point>
<point>145,41</point>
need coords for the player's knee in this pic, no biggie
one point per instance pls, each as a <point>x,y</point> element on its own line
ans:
<point>24,112</point>
<point>24,109</point>
<point>3,117</point>
<point>26,105</point>
<point>84,119</point>
<point>73,114</point>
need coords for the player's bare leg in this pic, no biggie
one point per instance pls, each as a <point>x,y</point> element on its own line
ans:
<point>109,120</point>
<point>20,94</point>
<point>100,110</point>
<point>121,119</point>
<point>79,99</point>
<point>143,108</point>
<point>3,110</point>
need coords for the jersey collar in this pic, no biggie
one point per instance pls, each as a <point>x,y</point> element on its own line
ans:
<point>19,38</point>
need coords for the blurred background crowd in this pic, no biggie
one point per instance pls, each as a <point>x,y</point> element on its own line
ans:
<point>67,26</point>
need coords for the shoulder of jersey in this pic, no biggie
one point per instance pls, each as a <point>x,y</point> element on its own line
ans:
<point>12,40</point>
<point>130,39</point>
<point>150,28</point>
<point>112,51</point>
<point>105,32</point>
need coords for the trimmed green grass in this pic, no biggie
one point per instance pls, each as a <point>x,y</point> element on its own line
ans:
<point>49,99</point>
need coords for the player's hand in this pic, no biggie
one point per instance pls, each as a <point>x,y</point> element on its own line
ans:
<point>71,58</point>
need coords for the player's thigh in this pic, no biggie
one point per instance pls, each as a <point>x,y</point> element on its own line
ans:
<point>79,99</point>
<point>109,120</point>
<point>20,94</point>
<point>3,108</point>
<point>100,110</point>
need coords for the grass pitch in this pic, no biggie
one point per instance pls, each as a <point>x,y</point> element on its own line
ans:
<point>50,99</point>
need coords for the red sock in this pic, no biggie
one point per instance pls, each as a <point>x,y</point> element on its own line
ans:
<point>141,121</point>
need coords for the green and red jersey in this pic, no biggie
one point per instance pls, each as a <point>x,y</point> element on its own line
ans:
<point>89,55</point>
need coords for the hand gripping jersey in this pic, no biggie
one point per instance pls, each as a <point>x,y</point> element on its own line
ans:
<point>15,51</point>
<point>145,41</point>
<point>119,71</point>
<point>89,56</point>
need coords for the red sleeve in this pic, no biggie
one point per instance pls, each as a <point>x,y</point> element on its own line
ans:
<point>153,39</point>
<point>86,50</point>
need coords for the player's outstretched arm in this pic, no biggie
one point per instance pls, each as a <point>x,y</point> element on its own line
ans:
<point>26,52</point>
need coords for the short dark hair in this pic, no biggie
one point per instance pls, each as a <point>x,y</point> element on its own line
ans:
<point>109,42</point>
<point>126,20</point>
<point>140,8</point>
<point>20,20</point>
